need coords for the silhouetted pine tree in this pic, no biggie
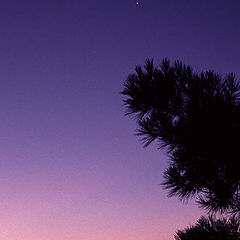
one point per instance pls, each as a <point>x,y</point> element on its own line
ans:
<point>196,117</point>
<point>211,229</point>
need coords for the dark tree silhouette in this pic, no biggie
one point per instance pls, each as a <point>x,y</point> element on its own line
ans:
<point>211,229</point>
<point>196,117</point>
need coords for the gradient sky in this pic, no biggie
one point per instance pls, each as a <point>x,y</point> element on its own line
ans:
<point>70,165</point>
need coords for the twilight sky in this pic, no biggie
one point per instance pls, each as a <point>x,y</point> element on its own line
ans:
<point>70,165</point>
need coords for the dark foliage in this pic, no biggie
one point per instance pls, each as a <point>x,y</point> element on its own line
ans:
<point>196,117</point>
<point>211,229</point>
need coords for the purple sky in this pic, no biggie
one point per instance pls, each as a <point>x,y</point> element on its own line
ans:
<point>70,165</point>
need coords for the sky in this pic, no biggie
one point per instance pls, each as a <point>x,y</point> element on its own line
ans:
<point>70,164</point>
